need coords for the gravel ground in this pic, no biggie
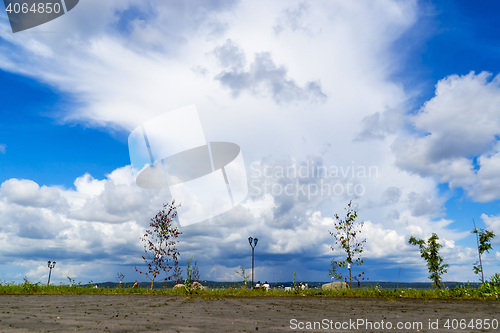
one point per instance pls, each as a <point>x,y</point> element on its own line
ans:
<point>153,313</point>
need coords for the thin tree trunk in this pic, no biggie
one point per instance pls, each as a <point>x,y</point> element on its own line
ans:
<point>350,258</point>
<point>154,275</point>
<point>478,251</point>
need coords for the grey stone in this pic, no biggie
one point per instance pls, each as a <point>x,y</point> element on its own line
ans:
<point>334,285</point>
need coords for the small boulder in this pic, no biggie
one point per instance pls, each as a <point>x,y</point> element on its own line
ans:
<point>334,285</point>
<point>197,285</point>
<point>179,286</point>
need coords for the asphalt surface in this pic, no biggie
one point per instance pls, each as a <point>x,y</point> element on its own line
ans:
<point>156,313</point>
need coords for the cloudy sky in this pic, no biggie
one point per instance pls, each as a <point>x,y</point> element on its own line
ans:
<point>394,104</point>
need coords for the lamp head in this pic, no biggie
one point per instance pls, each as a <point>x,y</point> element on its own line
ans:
<point>255,241</point>
<point>250,240</point>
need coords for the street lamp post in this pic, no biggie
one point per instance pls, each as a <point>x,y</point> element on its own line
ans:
<point>250,239</point>
<point>50,266</point>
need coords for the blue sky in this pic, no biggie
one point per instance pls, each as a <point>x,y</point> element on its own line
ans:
<point>43,149</point>
<point>384,83</point>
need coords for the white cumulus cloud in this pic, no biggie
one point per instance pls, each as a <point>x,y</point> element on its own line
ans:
<point>460,124</point>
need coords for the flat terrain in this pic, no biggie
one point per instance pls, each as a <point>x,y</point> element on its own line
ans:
<point>153,313</point>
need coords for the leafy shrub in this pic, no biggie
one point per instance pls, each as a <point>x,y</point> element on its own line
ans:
<point>29,287</point>
<point>491,287</point>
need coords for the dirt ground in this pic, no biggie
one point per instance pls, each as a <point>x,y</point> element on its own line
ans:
<point>153,313</point>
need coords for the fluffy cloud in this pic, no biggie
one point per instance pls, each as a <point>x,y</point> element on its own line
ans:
<point>263,76</point>
<point>390,196</point>
<point>115,200</point>
<point>28,193</point>
<point>423,204</point>
<point>307,81</point>
<point>74,219</point>
<point>294,19</point>
<point>381,124</point>
<point>459,140</point>
<point>102,221</point>
<point>462,119</point>
<point>492,224</point>
<point>137,59</point>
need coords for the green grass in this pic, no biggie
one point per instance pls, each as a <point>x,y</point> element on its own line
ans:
<point>486,292</point>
